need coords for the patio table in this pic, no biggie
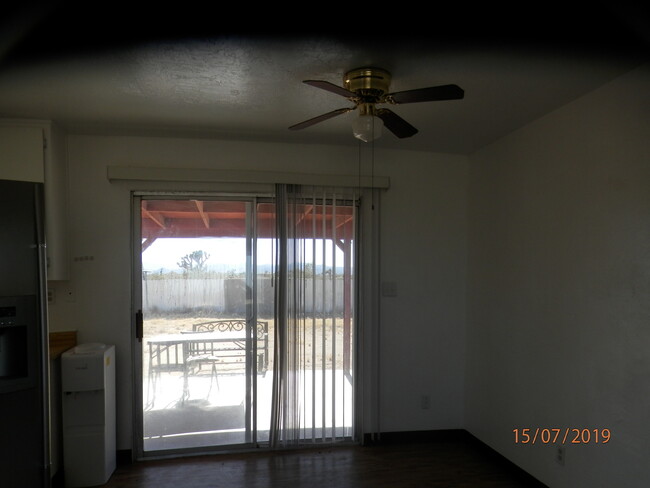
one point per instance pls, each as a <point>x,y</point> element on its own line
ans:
<point>180,351</point>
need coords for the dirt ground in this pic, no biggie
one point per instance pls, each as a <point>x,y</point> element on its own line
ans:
<point>155,325</point>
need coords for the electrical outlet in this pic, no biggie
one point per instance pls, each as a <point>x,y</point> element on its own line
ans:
<point>560,455</point>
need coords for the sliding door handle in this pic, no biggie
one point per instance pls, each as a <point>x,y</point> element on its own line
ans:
<point>139,325</point>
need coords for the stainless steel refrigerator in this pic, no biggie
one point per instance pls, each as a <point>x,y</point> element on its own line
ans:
<point>24,350</point>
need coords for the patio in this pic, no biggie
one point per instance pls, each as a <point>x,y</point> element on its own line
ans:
<point>214,412</point>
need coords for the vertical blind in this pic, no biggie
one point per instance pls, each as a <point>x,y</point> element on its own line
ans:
<point>314,316</point>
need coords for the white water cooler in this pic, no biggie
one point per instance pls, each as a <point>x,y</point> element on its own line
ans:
<point>89,439</point>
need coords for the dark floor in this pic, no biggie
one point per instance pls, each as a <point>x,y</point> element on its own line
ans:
<point>455,460</point>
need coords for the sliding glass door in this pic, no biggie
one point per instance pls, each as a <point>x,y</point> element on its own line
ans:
<point>211,352</point>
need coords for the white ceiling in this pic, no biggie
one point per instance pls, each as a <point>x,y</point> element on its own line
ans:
<point>198,74</point>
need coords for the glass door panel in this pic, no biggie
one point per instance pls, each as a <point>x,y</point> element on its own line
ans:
<point>265,307</point>
<point>316,343</point>
<point>198,324</point>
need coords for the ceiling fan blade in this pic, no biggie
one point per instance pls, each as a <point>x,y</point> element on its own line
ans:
<point>396,124</point>
<point>330,87</point>
<point>431,94</point>
<point>320,118</point>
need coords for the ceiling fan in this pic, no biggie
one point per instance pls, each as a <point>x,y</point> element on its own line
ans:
<point>368,87</point>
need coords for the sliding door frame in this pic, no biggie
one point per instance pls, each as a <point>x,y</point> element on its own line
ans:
<point>365,362</point>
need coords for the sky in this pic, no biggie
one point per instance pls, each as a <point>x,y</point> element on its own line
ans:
<point>226,254</point>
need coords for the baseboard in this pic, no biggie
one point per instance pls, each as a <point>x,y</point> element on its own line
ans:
<point>57,480</point>
<point>453,435</point>
<point>123,456</point>
<point>417,436</point>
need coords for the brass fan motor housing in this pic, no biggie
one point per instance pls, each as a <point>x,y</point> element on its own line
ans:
<point>367,82</point>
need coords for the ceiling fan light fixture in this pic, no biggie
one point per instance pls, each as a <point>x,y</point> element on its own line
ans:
<point>367,126</point>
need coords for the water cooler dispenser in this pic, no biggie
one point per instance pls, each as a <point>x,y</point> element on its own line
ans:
<point>89,440</point>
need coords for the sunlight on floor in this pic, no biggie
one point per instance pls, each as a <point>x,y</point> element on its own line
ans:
<point>214,413</point>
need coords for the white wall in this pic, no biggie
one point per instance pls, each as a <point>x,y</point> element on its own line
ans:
<point>559,293</point>
<point>422,327</point>
<point>424,255</point>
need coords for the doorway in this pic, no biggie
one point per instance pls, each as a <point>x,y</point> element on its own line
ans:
<point>204,292</point>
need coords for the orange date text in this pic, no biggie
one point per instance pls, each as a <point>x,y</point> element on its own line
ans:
<point>566,435</point>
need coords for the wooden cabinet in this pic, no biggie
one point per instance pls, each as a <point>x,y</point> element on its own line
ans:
<point>32,150</point>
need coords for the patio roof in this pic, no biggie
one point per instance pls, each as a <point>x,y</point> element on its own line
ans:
<point>216,218</point>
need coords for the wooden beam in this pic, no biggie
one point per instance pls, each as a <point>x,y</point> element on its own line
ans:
<point>204,216</point>
<point>148,241</point>
<point>306,211</point>
<point>154,216</point>
<point>344,221</point>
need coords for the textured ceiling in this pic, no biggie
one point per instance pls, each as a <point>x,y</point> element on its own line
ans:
<point>199,73</point>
